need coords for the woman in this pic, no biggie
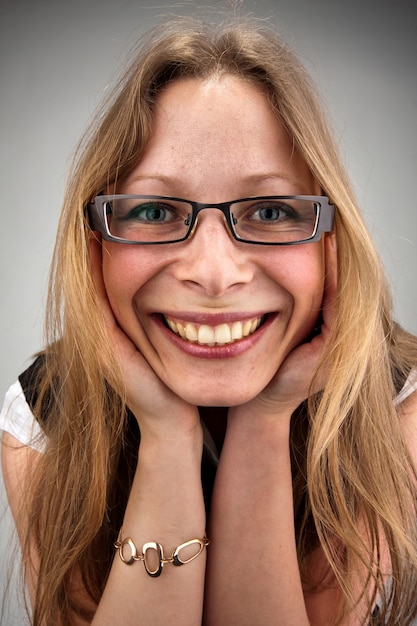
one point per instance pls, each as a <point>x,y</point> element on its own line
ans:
<point>242,337</point>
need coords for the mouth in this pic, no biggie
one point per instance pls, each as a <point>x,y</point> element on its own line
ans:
<point>219,335</point>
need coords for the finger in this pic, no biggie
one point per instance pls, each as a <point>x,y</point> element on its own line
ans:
<point>323,340</point>
<point>330,285</point>
<point>96,265</point>
<point>96,262</point>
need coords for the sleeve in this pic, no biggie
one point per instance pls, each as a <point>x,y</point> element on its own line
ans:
<point>410,387</point>
<point>16,418</point>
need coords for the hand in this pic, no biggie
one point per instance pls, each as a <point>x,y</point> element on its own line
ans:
<point>157,409</point>
<point>291,384</point>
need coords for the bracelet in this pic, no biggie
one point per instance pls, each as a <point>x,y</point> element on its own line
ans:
<point>152,548</point>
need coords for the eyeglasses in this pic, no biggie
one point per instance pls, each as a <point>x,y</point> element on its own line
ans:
<point>264,220</point>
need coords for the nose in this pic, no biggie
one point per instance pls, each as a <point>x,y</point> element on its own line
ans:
<point>211,259</point>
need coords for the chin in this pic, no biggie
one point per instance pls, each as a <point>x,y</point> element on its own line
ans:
<point>223,398</point>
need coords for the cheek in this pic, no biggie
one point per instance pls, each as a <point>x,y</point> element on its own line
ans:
<point>116,275</point>
<point>310,271</point>
<point>126,269</point>
<point>302,276</point>
<point>299,268</point>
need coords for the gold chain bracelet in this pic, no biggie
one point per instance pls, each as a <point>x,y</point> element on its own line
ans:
<point>151,548</point>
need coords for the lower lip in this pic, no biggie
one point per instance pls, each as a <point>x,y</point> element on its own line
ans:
<point>227,351</point>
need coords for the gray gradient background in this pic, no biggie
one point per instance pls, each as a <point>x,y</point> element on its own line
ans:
<point>57,60</point>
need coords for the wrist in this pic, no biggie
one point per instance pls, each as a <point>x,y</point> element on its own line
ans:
<point>255,440</point>
<point>170,450</point>
<point>254,418</point>
<point>172,427</point>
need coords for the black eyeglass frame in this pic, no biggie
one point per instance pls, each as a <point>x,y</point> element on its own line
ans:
<point>96,212</point>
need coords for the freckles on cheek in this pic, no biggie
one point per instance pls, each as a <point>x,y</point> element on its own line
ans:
<point>118,275</point>
<point>126,270</point>
<point>305,278</point>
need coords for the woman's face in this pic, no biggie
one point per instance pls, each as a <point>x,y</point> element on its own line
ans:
<point>216,140</point>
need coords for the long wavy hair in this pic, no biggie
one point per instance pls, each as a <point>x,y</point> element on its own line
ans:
<point>350,463</point>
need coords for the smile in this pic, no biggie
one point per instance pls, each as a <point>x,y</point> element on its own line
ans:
<point>219,335</point>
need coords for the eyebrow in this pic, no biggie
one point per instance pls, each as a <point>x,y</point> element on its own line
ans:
<point>250,179</point>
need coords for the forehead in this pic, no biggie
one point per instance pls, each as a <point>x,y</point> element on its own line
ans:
<point>217,128</point>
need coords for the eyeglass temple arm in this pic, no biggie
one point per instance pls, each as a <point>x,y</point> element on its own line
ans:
<point>327,212</point>
<point>93,217</point>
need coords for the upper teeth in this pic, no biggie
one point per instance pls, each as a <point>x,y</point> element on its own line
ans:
<point>214,335</point>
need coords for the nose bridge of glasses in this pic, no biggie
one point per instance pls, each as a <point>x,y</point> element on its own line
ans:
<point>222,207</point>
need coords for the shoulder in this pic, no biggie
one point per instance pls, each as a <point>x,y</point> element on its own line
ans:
<point>18,463</point>
<point>22,439</point>
<point>21,442</point>
<point>17,419</point>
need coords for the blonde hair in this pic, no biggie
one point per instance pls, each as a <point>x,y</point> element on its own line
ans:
<point>348,454</point>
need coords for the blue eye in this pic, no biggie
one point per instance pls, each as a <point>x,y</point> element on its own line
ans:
<point>147,219</point>
<point>271,212</point>
<point>268,214</point>
<point>150,212</point>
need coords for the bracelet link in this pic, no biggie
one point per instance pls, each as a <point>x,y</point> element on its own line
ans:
<point>149,547</point>
<point>133,551</point>
<point>202,543</point>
